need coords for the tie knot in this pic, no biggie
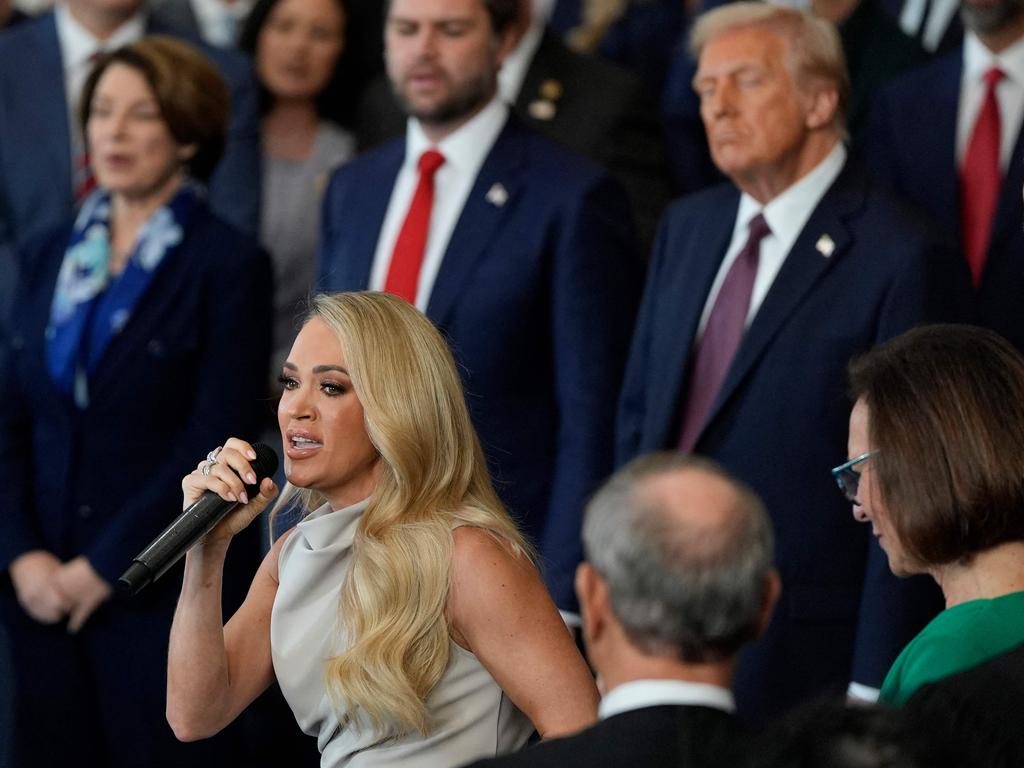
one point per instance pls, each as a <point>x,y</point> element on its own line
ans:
<point>758,229</point>
<point>430,161</point>
<point>993,75</point>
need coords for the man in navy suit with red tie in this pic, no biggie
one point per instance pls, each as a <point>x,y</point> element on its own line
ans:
<point>948,137</point>
<point>759,293</point>
<point>519,251</point>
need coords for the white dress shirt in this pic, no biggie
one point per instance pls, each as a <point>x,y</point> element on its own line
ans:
<point>513,71</point>
<point>939,16</point>
<point>638,694</point>
<point>464,151</point>
<point>1009,94</point>
<point>219,21</point>
<point>786,216</point>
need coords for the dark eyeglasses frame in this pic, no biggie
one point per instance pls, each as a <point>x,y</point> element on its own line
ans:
<point>847,479</point>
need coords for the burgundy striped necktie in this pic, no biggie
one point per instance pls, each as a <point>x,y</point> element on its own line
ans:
<point>722,335</point>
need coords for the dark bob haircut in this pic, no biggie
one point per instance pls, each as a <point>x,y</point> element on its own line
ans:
<point>946,415</point>
<point>189,91</point>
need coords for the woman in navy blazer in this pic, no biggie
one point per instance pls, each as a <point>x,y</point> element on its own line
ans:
<point>141,334</point>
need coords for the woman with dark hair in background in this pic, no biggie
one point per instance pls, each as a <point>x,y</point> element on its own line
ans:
<point>139,336</point>
<point>937,467</point>
<point>296,46</point>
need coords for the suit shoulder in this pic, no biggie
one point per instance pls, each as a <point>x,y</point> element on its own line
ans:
<point>918,83</point>
<point>547,158</point>
<point>710,203</point>
<point>232,248</point>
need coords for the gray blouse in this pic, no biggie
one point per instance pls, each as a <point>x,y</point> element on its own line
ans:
<point>472,718</point>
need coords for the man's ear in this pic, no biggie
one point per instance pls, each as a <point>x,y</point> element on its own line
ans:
<point>772,592</point>
<point>821,105</point>
<point>592,592</point>
<point>187,151</point>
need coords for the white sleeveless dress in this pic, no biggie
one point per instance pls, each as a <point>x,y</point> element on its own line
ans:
<point>472,718</point>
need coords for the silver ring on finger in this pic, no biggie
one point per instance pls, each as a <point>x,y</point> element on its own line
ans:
<point>207,467</point>
<point>212,455</point>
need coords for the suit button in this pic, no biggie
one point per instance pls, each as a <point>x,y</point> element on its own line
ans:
<point>85,511</point>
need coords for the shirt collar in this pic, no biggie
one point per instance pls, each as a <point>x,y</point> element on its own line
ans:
<point>978,59</point>
<point>788,212</point>
<point>638,694</point>
<point>513,71</point>
<point>466,147</point>
<point>77,44</point>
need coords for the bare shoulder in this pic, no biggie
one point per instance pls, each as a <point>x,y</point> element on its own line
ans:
<point>270,562</point>
<point>478,553</point>
<point>489,582</point>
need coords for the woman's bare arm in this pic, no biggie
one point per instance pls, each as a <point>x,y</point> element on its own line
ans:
<point>501,611</point>
<point>215,671</point>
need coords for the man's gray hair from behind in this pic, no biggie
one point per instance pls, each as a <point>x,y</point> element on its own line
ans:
<point>679,589</point>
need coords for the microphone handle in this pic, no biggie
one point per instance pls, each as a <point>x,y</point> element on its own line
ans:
<point>177,538</point>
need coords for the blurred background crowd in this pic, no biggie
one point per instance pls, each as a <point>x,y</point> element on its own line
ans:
<point>641,225</point>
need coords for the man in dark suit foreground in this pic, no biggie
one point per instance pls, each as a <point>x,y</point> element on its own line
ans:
<point>759,293</point>
<point>678,576</point>
<point>519,251</point>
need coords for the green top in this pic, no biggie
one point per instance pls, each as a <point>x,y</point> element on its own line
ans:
<point>959,638</point>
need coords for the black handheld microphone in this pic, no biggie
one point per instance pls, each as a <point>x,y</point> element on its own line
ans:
<point>189,527</point>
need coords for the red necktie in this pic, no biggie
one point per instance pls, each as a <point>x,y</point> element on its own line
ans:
<point>722,335</point>
<point>980,179</point>
<point>407,258</point>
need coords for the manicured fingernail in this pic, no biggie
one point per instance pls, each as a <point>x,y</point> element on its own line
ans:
<point>251,478</point>
<point>232,497</point>
<point>245,499</point>
<point>251,454</point>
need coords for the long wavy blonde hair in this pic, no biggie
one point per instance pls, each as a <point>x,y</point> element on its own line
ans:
<point>434,479</point>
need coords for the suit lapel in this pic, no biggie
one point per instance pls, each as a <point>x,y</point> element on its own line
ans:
<point>803,267</point>
<point>493,196</point>
<point>684,295</point>
<point>1007,221</point>
<point>372,195</point>
<point>943,118</point>
<point>44,93</point>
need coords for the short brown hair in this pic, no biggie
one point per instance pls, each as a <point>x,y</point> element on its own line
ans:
<point>946,415</point>
<point>189,91</point>
<point>816,51</point>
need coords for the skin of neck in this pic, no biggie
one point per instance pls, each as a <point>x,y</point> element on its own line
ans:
<point>618,661</point>
<point>1001,39</point>
<point>129,212</point>
<point>766,186</point>
<point>993,573</point>
<point>290,128</point>
<point>101,24</point>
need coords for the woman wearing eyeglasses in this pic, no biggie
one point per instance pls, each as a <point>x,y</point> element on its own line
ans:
<point>937,440</point>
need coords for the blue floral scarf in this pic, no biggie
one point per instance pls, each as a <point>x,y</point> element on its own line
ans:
<point>91,306</point>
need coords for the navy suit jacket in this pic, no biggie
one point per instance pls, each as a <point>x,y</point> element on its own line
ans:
<point>537,298</point>
<point>780,419</point>
<point>187,371</point>
<point>35,144</point>
<point>912,146</point>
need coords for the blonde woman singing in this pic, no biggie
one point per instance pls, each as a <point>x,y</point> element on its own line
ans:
<point>403,616</point>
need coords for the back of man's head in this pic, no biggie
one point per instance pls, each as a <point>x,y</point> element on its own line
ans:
<point>686,552</point>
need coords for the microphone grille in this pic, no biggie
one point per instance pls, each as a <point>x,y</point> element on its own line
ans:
<point>266,461</point>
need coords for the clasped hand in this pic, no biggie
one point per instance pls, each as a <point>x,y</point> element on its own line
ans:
<point>51,591</point>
